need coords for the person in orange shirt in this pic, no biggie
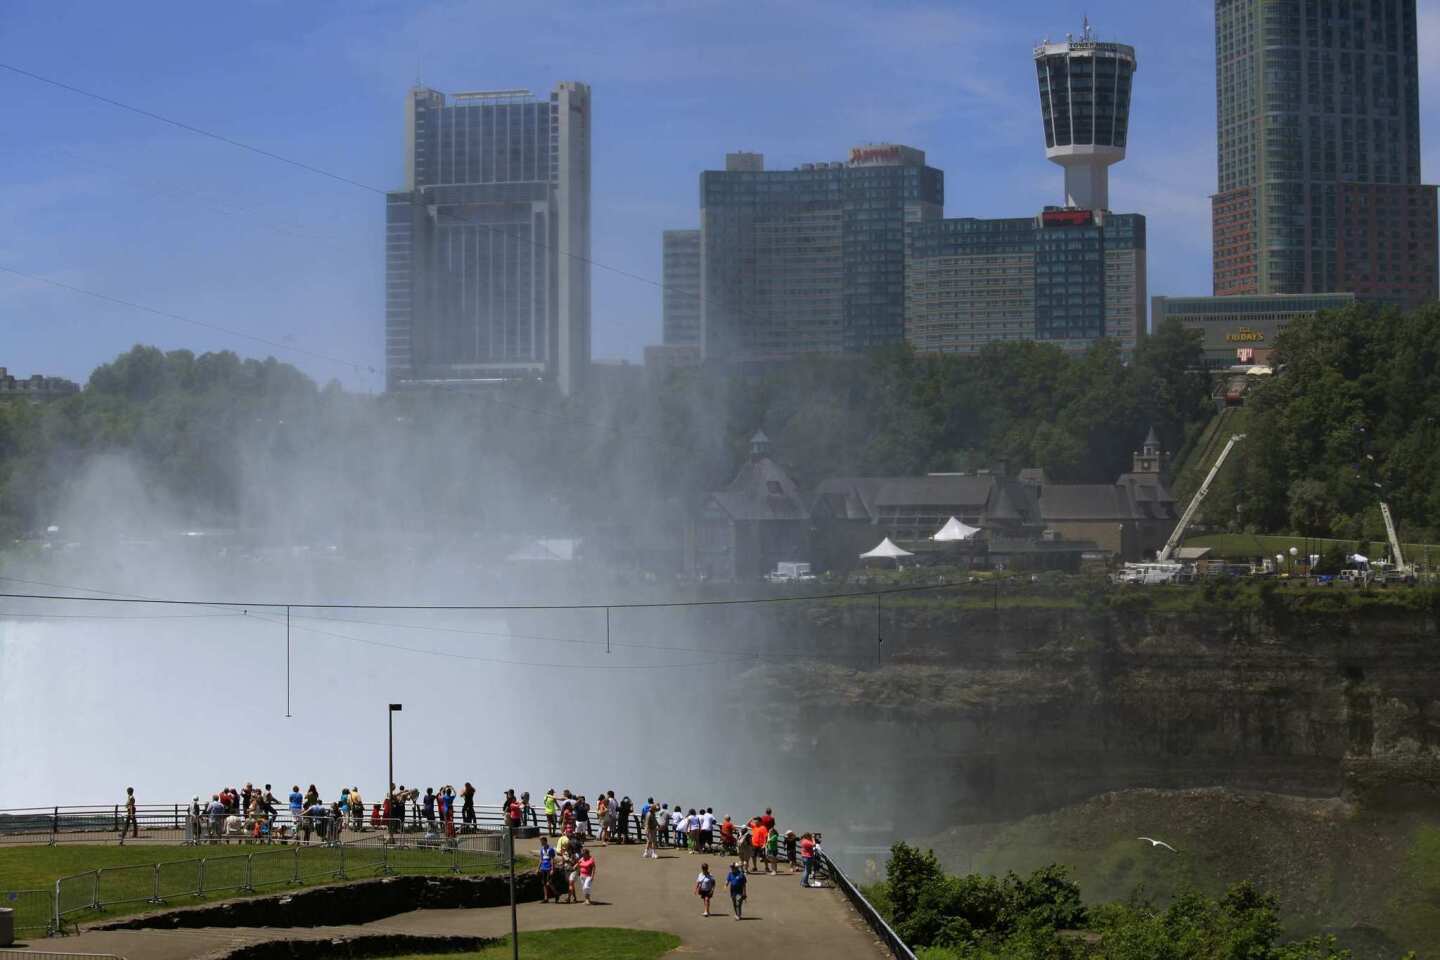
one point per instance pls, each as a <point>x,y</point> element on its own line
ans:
<point>758,836</point>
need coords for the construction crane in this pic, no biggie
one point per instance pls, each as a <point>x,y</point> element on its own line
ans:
<point>1395,554</point>
<point>1175,535</point>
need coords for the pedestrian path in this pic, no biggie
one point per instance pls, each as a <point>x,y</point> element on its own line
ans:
<point>782,918</point>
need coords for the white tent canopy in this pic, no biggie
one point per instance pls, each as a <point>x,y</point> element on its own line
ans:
<point>886,551</point>
<point>955,530</point>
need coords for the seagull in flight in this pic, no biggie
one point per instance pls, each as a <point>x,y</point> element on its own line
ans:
<point>1158,843</point>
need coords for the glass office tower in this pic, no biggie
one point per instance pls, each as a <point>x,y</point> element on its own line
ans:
<point>1319,151</point>
<point>680,320</point>
<point>487,247</point>
<point>810,260</point>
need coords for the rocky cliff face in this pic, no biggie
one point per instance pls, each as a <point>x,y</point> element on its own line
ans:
<point>978,715</point>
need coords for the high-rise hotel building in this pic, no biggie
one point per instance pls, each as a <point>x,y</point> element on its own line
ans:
<point>1071,274</point>
<point>680,306</point>
<point>809,260</point>
<point>487,266</point>
<point>1319,151</point>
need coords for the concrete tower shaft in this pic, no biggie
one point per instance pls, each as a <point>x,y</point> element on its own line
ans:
<point>1085,104</point>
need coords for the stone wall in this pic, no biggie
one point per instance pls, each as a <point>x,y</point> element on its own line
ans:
<point>362,901</point>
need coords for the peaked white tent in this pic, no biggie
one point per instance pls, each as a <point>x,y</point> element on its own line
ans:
<point>954,530</point>
<point>886,551</point>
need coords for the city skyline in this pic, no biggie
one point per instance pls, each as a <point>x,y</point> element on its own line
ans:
<point>118,204</point>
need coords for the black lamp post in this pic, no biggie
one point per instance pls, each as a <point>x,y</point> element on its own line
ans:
<point>390,716</point>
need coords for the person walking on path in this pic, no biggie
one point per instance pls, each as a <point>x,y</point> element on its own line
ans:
<point>705,887</point>
<point>547,871</point>
<point>131,823</point>
<point>735,882</point>
<point>586,869</point>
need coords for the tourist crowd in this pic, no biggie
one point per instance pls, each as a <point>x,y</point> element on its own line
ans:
<point>757,844</point>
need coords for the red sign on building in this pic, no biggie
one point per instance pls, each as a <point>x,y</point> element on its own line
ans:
<point>1067,218</point>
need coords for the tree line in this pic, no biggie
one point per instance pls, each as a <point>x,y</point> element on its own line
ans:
<point>1353,413</point>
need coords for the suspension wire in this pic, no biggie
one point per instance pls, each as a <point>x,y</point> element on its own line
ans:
<point>431,628</point>
<point>619,605</point>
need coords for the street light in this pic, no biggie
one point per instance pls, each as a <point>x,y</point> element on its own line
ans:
<point>1294,552</point>
<point>390,716</point>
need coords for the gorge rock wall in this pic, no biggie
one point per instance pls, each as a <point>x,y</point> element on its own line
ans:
<point>978,715</point>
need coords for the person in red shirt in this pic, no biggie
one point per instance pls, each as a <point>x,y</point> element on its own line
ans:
<point>514,814</point>
<point>807,857</point>
<point>587,874</point>
<point>727,836</point>
<point>768,820</point>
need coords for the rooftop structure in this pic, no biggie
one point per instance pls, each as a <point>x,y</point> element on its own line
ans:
<point>1085,106</point>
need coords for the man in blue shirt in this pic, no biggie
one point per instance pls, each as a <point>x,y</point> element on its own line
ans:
<point>547,871</point>
<point>297,802</point>
<point>735,881</point>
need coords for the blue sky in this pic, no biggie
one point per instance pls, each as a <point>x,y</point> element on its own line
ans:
<point>95,197</point>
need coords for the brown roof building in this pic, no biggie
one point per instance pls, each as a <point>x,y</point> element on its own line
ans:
<point>1130,518</point>
<point>759,520</point>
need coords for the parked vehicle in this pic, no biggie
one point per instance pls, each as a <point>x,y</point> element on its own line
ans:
<point>787,571</point>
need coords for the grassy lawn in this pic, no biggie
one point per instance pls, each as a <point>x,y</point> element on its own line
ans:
<point>128,872</point>
<point>592,943</point>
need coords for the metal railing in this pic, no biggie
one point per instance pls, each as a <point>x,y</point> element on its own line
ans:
<point>173,823</point>
<point>268,865</point>
<point>32,910</point>
<point>6,954</point>
<point>867,911</point>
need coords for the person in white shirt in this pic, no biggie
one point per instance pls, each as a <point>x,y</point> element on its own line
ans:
<point>705,887</point>
<point>707,829</point>
<point>677,824</point>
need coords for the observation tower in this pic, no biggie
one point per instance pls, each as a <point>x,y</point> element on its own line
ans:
<point>1085,103</point>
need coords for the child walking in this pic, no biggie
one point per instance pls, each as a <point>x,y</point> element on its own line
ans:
<point>735,881</point>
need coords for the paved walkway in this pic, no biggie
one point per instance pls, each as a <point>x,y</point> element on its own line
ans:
<point>782,917</point>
